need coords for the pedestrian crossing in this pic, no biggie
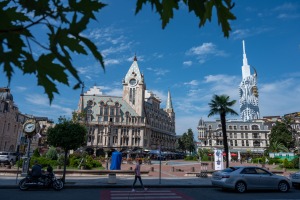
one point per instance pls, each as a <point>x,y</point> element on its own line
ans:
<point>154,194</point>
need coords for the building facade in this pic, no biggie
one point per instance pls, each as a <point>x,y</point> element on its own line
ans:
<point>250,136</point>
<point>12,136</point>
<point>248,92</point>
<point>134,120</point>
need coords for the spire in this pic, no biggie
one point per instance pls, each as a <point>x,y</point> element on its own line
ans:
<point>169,101</point>
<point>245,67</point>
<point>133,72</point>
<point>245,61</point>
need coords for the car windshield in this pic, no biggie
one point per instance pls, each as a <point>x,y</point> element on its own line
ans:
<point>230,169</point>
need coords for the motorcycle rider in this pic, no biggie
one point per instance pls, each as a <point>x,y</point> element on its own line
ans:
<point>36,170</point>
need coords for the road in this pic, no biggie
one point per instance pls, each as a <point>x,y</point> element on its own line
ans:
<point>152,194</point>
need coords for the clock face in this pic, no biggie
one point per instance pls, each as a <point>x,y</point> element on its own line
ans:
<point>132,82</point>
<point>29,127</point>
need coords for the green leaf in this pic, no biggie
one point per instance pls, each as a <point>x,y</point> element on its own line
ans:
<point>92,47</point>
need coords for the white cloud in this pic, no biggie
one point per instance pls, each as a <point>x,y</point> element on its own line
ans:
<point>111,62</point>
<point>192,83</point>
<point>21,88</point>
<point>205,51</point>
<point>37,99</point>
<point>187,63</point>
<point>158,71</point>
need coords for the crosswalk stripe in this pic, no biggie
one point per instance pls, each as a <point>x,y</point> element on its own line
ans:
<point>139,195</point>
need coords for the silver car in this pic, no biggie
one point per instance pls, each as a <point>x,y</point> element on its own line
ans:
<point>295,179</point>
<point>246,178</point>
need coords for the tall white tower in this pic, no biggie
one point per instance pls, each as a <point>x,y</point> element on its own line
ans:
<point>249,109</point>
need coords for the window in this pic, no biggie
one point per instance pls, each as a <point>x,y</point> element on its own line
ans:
<point>243,143</point>
<point>242,135</point>
<point>230,127</point>
<point>247,143</point>
<point>246,127</point>
<point>234,127</point>
<point>235,142</point>
<point>241,127</point>
<point>235,136</point>
<point>112,111</point>
<point>248,171</point>
<point>255,127</point>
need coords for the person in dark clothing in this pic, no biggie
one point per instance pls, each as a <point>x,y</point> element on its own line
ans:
<point>36,170</point>
<point>49,169</point>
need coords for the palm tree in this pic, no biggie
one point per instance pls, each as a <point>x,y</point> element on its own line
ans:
<point>221,105</point>
<point>277,147</point>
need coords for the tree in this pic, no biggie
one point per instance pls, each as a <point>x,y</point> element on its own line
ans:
<point>220,105</point>
<point>277,147</point>
<point>190,141</point>
<point>180,145</point>
<point>187,140</point>
<point>52,153</point>
<point>281,134</point>
<point>63,22</point>
<point>67,135</point>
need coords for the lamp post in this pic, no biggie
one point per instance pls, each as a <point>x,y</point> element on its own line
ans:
<point>209,137</point>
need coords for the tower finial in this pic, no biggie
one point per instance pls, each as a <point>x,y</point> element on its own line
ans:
<point>134,59</point>
<point>244,51</point>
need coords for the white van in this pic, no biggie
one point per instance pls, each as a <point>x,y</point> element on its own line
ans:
<point>7,157</point>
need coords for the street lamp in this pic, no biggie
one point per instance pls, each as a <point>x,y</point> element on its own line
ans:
<point>209,137</point>
<point>107,148</point>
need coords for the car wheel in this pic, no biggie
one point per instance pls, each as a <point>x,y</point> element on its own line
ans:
<point>283,186</point>
<point>240,187</point>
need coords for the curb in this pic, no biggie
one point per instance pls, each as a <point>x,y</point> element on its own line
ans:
<point>115,186</point>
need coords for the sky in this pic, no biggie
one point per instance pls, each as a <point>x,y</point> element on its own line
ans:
<point>193,63</point>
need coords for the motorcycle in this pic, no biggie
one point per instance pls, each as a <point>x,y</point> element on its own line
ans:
<point>46,181</point>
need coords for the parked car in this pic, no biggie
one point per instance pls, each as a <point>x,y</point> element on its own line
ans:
<point>7,157</point>
<point>246,178</point>
<point>295,179</point>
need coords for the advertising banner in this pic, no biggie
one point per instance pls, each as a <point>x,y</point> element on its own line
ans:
<point>218,157</point>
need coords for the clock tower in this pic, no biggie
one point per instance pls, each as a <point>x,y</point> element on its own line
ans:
<point>134,88</point>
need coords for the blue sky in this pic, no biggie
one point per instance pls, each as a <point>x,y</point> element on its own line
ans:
<point>193,63</point>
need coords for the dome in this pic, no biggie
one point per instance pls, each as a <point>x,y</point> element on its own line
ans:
<point>5,94</point>
<point>201,122</point>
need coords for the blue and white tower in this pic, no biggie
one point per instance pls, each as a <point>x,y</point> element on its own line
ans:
<point>249,109</point>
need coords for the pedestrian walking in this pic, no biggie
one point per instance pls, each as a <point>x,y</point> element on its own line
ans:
<point>137,172</point>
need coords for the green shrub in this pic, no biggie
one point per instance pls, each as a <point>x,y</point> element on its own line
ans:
<point>275,160</point>
<point>43,161</point>
<point>51,153</point>
<point>90,163</point>
<point>61,160</point>
<point>74,161</point>
<point>295,163</point>
<point>36,153</point>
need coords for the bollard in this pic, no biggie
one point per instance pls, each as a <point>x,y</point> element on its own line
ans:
<point>130,168</point>
<point>193,169</point>
<point>173,169</point>
<point>152,169</point>
<point>112,178</point>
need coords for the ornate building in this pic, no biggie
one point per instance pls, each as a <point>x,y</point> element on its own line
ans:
<point>10,121</point>
<point>242,136</point>
<point>132,121</point>
<point>12,137</point>
<point>249,109</point>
